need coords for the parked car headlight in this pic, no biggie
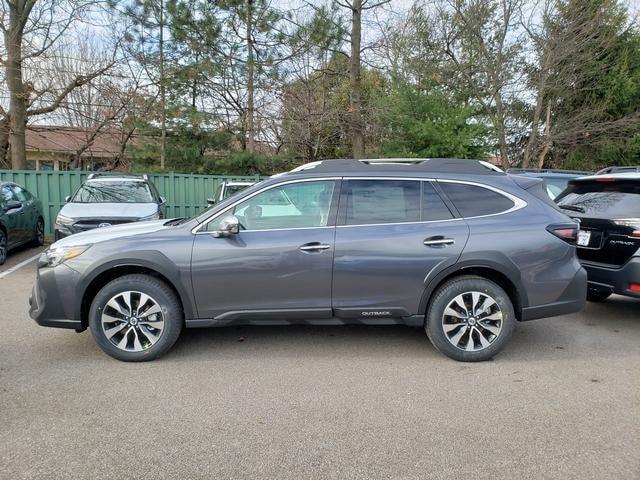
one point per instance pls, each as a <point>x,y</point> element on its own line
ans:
<point>55,256</point>
<point>64,221</point>
<point>155,216</point>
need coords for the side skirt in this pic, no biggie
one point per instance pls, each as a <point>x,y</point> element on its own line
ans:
<point>254,320</point>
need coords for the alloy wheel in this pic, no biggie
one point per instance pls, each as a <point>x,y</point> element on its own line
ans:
<point>132,321</point>
<point>472,321</point>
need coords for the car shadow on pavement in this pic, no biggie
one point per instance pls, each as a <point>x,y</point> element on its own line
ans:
<point>603,325</point>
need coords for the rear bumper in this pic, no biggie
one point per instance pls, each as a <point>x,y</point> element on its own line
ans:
<point>50,304</point>
<point>572,300</point>
<point>614,280</point>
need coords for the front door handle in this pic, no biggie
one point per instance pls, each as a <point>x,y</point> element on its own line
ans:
<point>314,247</point>
<point>438,241</point>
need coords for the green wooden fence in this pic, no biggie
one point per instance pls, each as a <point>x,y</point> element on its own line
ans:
<point>186,194</point>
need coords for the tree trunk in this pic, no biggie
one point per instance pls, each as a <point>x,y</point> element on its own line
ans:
<point>4,142</point>
<point>547,134</point>
<point>163,100</point>
<point>17,95</point>
<point>355,107</point>
<point>250,79</point>
<point>502,137</point>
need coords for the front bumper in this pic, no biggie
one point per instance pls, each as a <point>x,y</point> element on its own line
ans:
<point>614,280</point>
<point>53,298</point>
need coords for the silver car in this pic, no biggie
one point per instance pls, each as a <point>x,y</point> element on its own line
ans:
<point>105,200</point>
<point>450,246</point>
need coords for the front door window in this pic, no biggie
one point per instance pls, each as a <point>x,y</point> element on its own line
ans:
<point>295,205</point>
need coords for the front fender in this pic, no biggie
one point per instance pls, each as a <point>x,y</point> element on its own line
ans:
<point>149,259</point>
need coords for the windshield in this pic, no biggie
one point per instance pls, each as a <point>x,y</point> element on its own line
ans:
<point>606,199</point>
<point>113,192</point>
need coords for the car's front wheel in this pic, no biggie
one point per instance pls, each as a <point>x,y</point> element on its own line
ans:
<point>3,247</point>
<point>136,318</point>
<point>38,236</point>
<point>470,319</point>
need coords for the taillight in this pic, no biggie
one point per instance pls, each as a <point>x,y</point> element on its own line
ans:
<point>634,287</point>
<point>568,233</point>
<point>630,222</point>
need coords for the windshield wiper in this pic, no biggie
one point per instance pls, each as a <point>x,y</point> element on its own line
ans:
<point>573,208</point>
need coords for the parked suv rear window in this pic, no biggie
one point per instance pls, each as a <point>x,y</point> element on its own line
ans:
<point>382,201</point>
<point>474,201</point>
<point>604,198</point>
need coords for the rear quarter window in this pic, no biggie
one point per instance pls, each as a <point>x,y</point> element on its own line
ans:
<point>475,201</point>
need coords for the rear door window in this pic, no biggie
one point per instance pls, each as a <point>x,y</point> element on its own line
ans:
<point>433,208</point>
<point>602,198</point>
<point>474,200</point>
<point>370,202</point>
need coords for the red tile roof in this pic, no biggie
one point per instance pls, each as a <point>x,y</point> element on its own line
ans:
<point>70,139</point>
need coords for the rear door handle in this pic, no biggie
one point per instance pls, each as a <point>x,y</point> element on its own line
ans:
<point>314,247</point>
<point>438,241</point>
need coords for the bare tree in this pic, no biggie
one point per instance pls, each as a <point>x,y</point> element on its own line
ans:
<point>575,44</point>
<point>477,45</point>
<point>31,29</point>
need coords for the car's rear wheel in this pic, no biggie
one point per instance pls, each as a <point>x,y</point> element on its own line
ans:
<point>3,247</point>
<point>136,318</point>
<point>597,294</point>
<point>38,238</point>
<point>470,319</point>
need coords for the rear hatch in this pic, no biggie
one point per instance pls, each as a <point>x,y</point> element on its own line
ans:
<point>608,208</point>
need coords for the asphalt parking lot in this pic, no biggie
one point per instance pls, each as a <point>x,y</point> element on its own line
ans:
<point>562,401</point>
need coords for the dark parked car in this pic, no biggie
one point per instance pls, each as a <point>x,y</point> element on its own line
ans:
<point>451,246</point>
<point>608,207</point>
<point>105,200</point>
<point>21,219</point>
<point>555,180</point>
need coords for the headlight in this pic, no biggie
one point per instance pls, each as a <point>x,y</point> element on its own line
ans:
<point>55,256</point>
<point>155,216</point>
<point>65,221</point>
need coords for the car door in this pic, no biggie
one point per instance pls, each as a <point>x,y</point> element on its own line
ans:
<point>29,212</point>
<point>391,234</point>
<point>14,217</point>
<point>278,267</point>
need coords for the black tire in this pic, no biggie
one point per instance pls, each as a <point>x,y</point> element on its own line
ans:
<point>445,295</point>
<point>38,239</point>
<point>160,293</point>
<point>3,247</point>
<point>597,295</point>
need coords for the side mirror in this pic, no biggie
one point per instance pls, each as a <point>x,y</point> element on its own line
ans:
<point>67,198</point>
<point>211,201</point>
<point>13,205</point>
<point>230,225</point>
<point>163,200</point>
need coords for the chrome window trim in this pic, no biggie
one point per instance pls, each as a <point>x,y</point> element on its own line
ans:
<point>518,203</point>
<point>198,228</point>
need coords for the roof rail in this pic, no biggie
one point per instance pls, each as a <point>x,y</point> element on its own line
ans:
<point>445,165</point>
<point>619,169</point>
<point>548,170</point>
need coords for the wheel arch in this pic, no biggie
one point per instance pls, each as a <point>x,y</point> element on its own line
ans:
<point>111,271</point>
<point>507,278</point>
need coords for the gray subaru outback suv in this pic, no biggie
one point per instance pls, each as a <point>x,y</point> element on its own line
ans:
<point>451,246</point>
